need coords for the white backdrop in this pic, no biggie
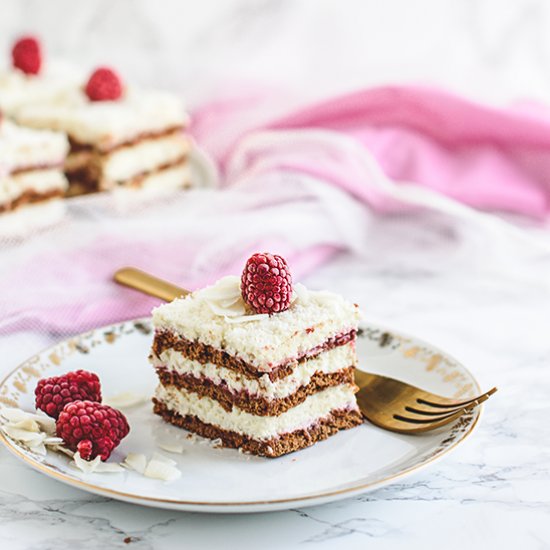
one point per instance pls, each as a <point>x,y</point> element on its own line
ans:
<point>493,49</point>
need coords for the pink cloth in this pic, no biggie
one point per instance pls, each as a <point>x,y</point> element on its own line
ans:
<point>489,158</point>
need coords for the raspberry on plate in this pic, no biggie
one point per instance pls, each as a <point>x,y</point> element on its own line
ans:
<point>26,55</point>
<point>52,394</point>
<point>104,85</point>
<point>266,284</point>
<point>91,429</point>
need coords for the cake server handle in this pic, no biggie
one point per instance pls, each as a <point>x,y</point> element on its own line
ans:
<point>139,280</point>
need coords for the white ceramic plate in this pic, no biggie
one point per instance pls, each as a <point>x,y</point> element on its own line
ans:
<point>224,480</point>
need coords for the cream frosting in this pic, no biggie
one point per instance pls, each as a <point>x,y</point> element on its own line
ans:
<point>40,181</point>
<point>307,413</point>
<point>18,89</point>
<point>26,148</point>
<point>105,124</point>
<point>144,156</point>
<point>331,361</point>
<point>158,183</point>
<point>208,316</point>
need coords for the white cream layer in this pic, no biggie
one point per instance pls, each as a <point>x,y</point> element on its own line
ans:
<point>265,341</point>
<point>105,124</point>
<point>40,181</point>
<point>24,147</point>
<point>330,361</point>
<point>145,156</point>
<point>313,409</point>
<point>163,181</point>
<point>18,89</point>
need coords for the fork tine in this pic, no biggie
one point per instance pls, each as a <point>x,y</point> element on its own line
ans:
<point>421,428</point>
<point>431,413</point>
<point>448,409</point>
<point>455,404</point>
<point>445,418</point>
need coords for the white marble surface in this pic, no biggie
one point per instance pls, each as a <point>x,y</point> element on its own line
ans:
<point>494,491</point>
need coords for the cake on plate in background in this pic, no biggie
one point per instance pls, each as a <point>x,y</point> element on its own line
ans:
<point>31,166</point>
<point>256,363</point>
<point>121,137</point>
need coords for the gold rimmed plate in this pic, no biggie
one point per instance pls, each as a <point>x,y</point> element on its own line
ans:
<point>224,480</point>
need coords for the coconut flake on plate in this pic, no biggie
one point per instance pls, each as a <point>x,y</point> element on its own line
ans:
<point>135,461</point>
<point>27,424</point>
<point>53,441</point>
<point>23,436</point>
<point>162,458</point>
<point>160,469</point>
<point>175,447</point>
<point>96,465</point>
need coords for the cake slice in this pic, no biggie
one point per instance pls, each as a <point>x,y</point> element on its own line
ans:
<point>119,136</point>
<point>268,384</point>
<point>31,165</point>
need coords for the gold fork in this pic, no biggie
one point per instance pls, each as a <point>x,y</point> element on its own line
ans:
<point>386,402</point>
<point>403,408</point>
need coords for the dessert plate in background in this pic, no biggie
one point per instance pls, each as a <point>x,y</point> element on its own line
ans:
<point>224,480</point>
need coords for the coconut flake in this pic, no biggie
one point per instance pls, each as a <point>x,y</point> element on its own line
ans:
<point>234,310</point>
<point>45,422</point>
<point>96,465</point>
<point>27,424</point>
<point>63,449</point>
<point>24,436</point>
<point>247,318</point>
<point>125,400</point>
<point>53,441</point>
<point>39,449</point>
<point>171,446</point>
<point>299,292</point>
<point>86,466</point>
<point>225,288</point>
<point>109,468</point>
<point>14,416</point>
<point>159,469</point>
<point>135,461</point>
<point>162,458</point>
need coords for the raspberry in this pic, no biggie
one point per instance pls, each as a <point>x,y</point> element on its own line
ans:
<point>104,85</point>
<point>26,55</point>
<point>266,284</point>
<point>52,394</point>
<point>91,428</point>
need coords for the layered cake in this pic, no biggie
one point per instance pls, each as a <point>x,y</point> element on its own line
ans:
<point>31,165</point>
<point>30,79</point>
<point>257,364</point>
<point>119,136</point>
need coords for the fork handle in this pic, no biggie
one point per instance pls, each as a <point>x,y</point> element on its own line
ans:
<point>144,282</point>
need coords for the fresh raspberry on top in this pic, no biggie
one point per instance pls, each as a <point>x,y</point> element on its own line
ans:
<point>52,394</point>
<point>104,85</point>
<point>27,55</point>
<point>266,284</point>
<point>91,429</point>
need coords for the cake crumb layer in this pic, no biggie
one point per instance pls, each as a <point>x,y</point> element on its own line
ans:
<point>254,404</point>
<point>284,444</point>
<point>205,353</point>
<point>217,319</point>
